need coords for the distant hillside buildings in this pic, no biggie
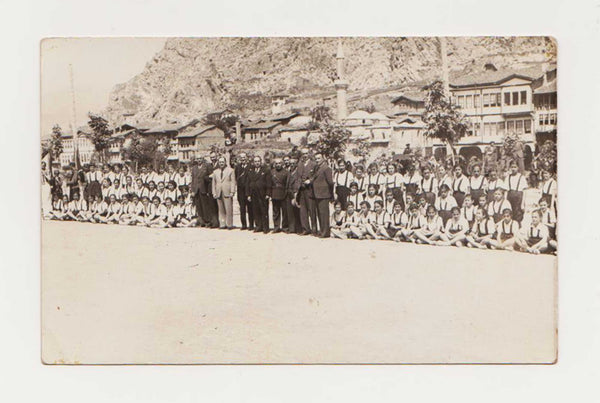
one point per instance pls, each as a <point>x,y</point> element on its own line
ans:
<point>495,102</point>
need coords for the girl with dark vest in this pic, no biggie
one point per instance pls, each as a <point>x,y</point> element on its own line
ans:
<point>429,186</point>
<point>455,232</point>
<point>460,186</point>
<point>482,231</point>
<point>477,184</point>
<point>507,231</point>
<point>516,184</point>
<point>535,240</point>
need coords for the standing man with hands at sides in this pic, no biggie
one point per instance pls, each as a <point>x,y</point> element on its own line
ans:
<point>223,190</point>
<point>258,189</point>
<point>305,195</point>
<point>279,178</point>
<point>322,186</point>
<point>241,176</point>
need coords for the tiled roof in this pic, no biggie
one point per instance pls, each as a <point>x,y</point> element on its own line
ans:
<point>194,132</point>
<point>494,77</point>
<point>283,116</point>
<point>262,125</point>
<point>414,96</point>
<point>546,88</point>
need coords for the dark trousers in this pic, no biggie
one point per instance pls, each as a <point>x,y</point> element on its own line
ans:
<point>293,216</point>
<point>279,213</point>
<point>199,211</point>
<point>245,209</point>
<point>307,211</point>
<point>342,196</point>
<point>323,214</point>
<point>515,198</point>
<point>260,207</point>
<point>210,213</point>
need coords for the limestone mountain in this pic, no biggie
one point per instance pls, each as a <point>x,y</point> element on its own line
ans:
<point>190,77</point>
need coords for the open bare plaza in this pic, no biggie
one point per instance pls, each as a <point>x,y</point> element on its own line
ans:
<point>114,294</point>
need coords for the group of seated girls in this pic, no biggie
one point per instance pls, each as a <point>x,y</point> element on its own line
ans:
<point>126,209</point>
<point>482,226</point>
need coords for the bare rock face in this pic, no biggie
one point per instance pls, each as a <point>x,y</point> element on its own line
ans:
<point>191,77</point>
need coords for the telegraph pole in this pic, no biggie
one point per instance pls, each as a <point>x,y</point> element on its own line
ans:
<point>74,121</point>
<point>445,78</point>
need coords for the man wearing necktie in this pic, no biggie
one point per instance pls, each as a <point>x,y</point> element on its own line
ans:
<point>258,189</point>
<point>305,195</point>
<point>241,176</point>
<point>322,187</point>
<point>223,190</point>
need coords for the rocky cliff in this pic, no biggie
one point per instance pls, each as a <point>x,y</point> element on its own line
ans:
<point>190,77</point>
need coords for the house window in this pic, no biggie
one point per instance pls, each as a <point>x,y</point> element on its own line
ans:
<point>523,97</point>
<point>527,126</point>
<point>493,127</point>
<point>469,101</point>
<point>541,119</point>
<point>500,128</point>
<point>476,101</point>
<point>519,126</point>
<point>553,118</point>
<point>515,98</point>
<point>461,101</point>
<point>510,126</point>
<point>486,100</point>
<point>507,98</point>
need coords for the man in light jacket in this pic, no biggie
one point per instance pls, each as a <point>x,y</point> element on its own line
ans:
<point>223,190</point>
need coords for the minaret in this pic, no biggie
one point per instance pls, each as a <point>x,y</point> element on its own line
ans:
<point>341,85</point>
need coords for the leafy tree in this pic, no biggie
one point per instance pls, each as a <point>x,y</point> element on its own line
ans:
<point>320,113</point>
<point>225,123</point>
<point>100,134</point>
<point>333,139</point>
<point>361,150</point>
<point>546,157</point>
<point>55,145</point>
<point>443,119</point>
<point>148,151</point>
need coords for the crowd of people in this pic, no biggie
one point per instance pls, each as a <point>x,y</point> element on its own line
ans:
<point>430,203</point>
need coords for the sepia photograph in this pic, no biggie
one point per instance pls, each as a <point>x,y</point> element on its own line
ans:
<point>299,200</point>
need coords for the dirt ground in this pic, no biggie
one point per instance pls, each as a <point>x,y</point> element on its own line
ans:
<point>114,294</point>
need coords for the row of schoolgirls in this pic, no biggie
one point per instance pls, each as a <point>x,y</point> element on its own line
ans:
<point>129,209</point>
<point>421,223</point>
<point>440,187</point>
<point>104,179</point>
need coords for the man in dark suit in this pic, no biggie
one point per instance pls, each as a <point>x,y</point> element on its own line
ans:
<point>258,189</point>
<point>209,214</point>
<point>241,175</point>
<point>279,179</point>
<point>213,210</point>
<point>195,191</point>
<point>308,214</point>
<point>322,187</point>
<point>291,202</point>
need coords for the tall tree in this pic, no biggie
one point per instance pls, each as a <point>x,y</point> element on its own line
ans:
<point>53,147</point>
<point>225,123</point>
<point>148,151</point>
<point>443,119</point>
<point>333,139</point>
<point>100,135</point>
<point>56,143</point>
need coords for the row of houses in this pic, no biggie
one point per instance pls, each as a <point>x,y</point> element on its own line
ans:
<point>494,102</point>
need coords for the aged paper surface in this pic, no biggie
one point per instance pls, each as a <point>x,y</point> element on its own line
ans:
<point>161,289</point>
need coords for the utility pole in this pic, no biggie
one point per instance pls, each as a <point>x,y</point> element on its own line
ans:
<point>445,79</point>
<point>74,121</point>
